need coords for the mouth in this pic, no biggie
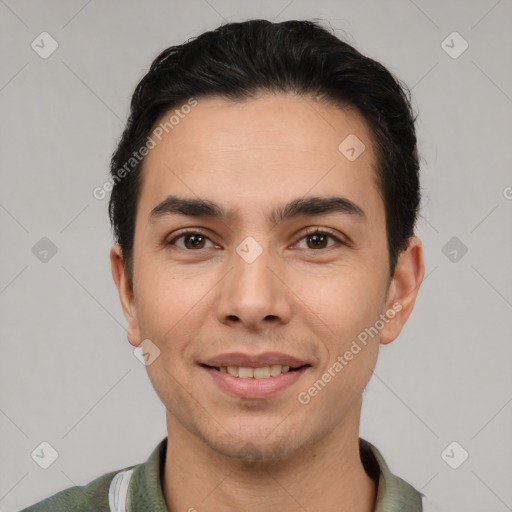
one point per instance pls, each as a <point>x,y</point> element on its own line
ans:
<point>254,383</point>
<point>262,372</point>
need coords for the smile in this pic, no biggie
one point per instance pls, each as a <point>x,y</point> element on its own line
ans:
<point>263,372</point>
<point>255,383</point>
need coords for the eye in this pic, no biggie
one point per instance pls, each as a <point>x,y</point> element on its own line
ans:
<point>192,240</point>
<point>197,239</point>
<point>319,238</point>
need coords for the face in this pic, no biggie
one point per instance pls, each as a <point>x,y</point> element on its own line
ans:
<point>256,287</point>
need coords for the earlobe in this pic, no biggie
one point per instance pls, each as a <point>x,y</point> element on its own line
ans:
<point>403,290</point>
<point>125,292</point>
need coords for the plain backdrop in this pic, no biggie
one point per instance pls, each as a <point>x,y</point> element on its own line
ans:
<point>69,376</point>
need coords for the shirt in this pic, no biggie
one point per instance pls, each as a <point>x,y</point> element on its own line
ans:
<point>139,488</point>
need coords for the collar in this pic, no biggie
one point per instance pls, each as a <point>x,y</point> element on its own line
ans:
<point>393,493</point>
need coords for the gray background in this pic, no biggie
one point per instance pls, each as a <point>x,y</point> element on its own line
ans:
<point>68,374</point>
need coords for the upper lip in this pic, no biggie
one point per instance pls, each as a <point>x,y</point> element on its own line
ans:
<point>254,360</point>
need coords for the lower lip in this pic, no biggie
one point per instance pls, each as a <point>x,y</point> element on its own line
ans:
<point>255,388</point>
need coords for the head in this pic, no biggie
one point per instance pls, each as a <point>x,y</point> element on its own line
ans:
<point>252,137</point>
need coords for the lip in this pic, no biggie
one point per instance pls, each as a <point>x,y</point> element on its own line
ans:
<point>254,360</point>
<point>255,388</point>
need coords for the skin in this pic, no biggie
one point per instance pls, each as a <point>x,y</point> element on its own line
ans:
<point>228,453</point>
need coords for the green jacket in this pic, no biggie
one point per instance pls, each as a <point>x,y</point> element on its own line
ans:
<point>139,488</point>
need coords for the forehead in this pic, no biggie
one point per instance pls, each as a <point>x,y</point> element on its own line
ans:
<point>263,150</point>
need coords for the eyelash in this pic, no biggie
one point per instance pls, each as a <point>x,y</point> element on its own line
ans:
<point>311,231</point>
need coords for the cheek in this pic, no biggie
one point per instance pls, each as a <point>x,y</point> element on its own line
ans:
<point>167,303</point>
<point>348,308</point>
<point>348,305</point>
<point>347,301</point>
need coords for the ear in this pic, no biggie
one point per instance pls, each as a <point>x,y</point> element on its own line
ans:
<point>125,291</point>
<point>403,290</point>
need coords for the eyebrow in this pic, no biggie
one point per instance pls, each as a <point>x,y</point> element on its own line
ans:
<point>304,206</point>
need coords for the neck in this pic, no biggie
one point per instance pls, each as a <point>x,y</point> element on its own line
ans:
<point>328,475</point>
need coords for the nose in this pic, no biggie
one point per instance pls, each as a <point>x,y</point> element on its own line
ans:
<point>253,294</point>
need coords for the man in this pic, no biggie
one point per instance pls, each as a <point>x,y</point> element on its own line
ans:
<point>265,192</point>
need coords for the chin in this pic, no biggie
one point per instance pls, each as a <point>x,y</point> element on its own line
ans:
<point>256,445</point>
<point>254,453</point>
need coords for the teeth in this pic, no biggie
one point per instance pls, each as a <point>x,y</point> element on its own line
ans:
<point>264,372</point>
<point>233,370</point>
<point>245,373</point>
<point>275,369</point>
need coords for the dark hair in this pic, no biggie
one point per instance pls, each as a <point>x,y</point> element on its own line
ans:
<point>241,60</point>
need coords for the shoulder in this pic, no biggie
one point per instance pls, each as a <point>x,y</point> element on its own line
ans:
<point>138,485</point>
<point>93,496</point>
<point>393,492</point>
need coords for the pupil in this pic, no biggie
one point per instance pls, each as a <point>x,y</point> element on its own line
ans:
<point>316,237</point>
<point>192,237</point>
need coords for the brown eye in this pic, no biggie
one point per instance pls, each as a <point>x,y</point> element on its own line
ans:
<point>319,239</point>
<point>191,240</point>
<point>194,241</point>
